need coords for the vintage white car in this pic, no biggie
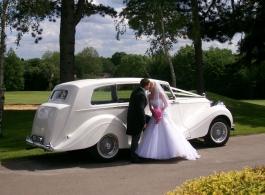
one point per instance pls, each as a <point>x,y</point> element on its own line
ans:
<point>92,114</point>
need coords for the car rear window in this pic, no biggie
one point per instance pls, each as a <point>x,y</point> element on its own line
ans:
<point>59,95</point>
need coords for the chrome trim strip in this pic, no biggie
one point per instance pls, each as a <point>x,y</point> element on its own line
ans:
<point>38,145</point>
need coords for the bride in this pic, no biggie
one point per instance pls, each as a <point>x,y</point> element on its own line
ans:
<point>162,139</point>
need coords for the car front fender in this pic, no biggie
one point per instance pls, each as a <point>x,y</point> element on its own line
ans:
<point>199,124</point>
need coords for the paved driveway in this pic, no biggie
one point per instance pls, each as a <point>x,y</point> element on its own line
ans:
<point>74,173</point>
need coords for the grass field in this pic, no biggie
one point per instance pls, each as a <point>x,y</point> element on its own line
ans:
<point>257,102</point>
<point>249,118</point>
<point>26,97</point>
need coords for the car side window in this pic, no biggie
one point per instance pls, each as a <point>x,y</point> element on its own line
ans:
<point>124,92</point>
<point>104,95</point>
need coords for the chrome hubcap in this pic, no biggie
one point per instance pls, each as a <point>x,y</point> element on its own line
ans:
<point>219,132</point>
<point>108,146</point>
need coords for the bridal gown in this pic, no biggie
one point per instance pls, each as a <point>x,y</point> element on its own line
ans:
<point>164,140</point>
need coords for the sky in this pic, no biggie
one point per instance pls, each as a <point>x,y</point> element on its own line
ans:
<point>97,32</point>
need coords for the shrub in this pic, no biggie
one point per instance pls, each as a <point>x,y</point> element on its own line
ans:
<point>249,181</point>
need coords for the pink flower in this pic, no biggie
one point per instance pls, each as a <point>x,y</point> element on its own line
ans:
<point>157,113</point>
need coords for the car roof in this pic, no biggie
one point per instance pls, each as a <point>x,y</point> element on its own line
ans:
<point>100,81</point>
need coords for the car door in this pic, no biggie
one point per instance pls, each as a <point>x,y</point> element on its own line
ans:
<point>174,108</point>
<point>123,97</point>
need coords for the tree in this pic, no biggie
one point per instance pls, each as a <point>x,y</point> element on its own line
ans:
<point>8,11</point>
<point>184,64</point>
<point>13,72</point>
<point>3,9</point>
<point>252,46</point>
<point>158,68</point>
<point>196,37</point>
<point>216,67</point>
<point>88,63</point>
<point>159,20</point>
<point>116,57</point>
<point>52,59</point>
<point>108,66</point>
<point>70,12</point>
<point>38,75</point>
<point>133,65</point>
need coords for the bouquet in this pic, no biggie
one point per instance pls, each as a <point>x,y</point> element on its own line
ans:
<point>157,113</point>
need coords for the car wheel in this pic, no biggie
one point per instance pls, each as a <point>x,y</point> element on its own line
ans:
<point>106,149</point>
<point>218,133</point>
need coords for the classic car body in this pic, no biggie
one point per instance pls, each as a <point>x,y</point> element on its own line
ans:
<point>92,114</point>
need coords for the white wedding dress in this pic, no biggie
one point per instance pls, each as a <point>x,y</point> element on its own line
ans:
<point>164,140</point>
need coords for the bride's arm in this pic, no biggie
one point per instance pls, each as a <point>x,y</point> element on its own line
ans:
<point>164,101</point>
<point>150,106</point>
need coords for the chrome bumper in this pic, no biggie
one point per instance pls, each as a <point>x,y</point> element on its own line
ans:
<point>38,145</point>
<point>233,127</point>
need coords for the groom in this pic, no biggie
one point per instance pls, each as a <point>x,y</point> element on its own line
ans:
<point>136,118</point>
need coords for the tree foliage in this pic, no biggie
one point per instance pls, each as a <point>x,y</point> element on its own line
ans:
<point>108,66</point>
<point>70,12</point>
<point>13,72</point>
<point>252,46</point>
<point>52,59</point>
<point>116,57</point>
<point>133,65</point>
<point>88,63</point>
<point>39,75</point>
<point>158,20</point>
<point>184,64</point>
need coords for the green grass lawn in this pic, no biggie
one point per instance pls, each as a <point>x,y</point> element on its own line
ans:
<point>258,102</point>
<point>249,118</point>
<point>26,97</point>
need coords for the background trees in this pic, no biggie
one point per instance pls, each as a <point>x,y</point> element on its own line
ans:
<point>224,72</point>
<point>184,64</point>
<point>13,72</point>
<point>133,65</point>
<point>159,20</point>
<point>88,63</point>
<point>70,12</point>
<point>108,66</point>
<point>38,75</point>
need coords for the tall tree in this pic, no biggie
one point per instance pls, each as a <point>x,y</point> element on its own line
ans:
<point>252,45</point>
<point>70,12</point>
<point>3,9</point>
<point>196,37</point>
<point>159,20</point>
<point>13,72</point>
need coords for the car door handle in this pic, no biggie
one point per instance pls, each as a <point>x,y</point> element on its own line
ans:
<point>173,102</point>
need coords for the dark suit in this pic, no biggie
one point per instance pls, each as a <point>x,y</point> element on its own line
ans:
<point>136,118</point>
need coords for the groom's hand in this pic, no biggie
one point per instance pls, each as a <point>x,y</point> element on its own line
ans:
<point>144,126</point>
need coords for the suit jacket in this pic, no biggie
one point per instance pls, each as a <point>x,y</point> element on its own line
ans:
<point>136,116</point>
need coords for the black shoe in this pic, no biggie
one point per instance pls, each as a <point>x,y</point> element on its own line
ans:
<point>137,161</point>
